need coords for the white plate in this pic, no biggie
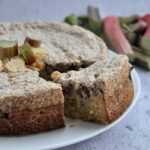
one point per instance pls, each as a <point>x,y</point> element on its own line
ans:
<point>69,135</point>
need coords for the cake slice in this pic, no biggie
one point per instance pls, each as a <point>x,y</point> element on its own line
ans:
<point>29,104</point>
<point>98,93</point>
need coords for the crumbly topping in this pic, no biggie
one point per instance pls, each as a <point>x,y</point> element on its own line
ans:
<point>101,70</point>
<point>64,43</point>
<point>22,84</point>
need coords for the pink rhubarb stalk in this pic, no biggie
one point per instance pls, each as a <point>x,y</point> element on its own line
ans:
<point>146,19</point>
<point>115,35</point>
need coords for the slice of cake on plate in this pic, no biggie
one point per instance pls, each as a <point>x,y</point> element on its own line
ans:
<point>100,92</point>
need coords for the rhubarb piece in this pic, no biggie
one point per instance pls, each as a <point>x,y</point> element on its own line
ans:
<point>145,43</point>
<point>145,39</point>
<point>8,49</point>
<point>138,26</point>
<point>1,65</point>
<point>132,37</point>
<point>72,19</point>
<point>131,57</point>
<point>95,27</point>
<point>138,49</point>
<point>142,60</point>
<point>16,65</point>
<point>27,54</point>
<point>140,57</point>
<point>128,20</point>
<point>83,21</point>
<point>135,27</point>
<point>89,24</point>
<point>115,35</point>
<point>32,42</point>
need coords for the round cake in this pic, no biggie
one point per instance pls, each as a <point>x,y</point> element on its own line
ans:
<point>85,84</point>
<point>28,103</point>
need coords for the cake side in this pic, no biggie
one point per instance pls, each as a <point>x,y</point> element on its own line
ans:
<point>118,90</point>
<point>27,86</point>
<point>19,122</point>
<point>29,104</point>
<point>96,92</point>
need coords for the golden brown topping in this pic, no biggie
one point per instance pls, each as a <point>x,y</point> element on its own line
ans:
<point>30,52</point>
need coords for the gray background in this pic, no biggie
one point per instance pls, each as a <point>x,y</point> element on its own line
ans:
<point>133,133</point>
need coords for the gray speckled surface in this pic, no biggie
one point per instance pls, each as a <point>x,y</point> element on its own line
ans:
<point>133,133</point>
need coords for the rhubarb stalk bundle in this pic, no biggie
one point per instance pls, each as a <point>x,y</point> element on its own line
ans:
<point>145,39</point>
<point>115,35</point>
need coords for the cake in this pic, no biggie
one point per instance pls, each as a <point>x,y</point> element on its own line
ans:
<point>29,104</point>
<point>98,93</point>
<point>94,87</point>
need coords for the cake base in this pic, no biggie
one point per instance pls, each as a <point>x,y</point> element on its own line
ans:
<point>18,122</point>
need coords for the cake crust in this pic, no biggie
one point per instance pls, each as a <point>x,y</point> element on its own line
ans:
<point>19,122</point>
<point>125,99</point>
